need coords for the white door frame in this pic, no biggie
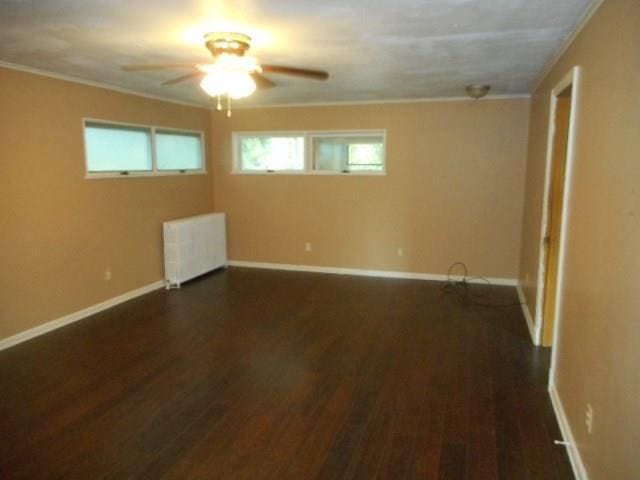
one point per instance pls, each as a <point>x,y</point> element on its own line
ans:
<point>573,79</point>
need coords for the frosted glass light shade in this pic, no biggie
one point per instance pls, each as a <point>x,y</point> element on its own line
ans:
<point>219,81</point>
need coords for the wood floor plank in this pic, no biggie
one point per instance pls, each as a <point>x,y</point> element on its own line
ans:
<point>252,374</point>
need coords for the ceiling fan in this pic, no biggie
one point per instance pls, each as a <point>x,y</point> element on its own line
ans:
<point>232,73</point>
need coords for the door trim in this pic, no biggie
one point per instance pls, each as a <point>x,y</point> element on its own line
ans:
<point>573,79</point>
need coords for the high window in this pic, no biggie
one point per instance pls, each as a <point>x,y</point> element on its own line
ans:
<point>310,152</point>
<point>114,149</point>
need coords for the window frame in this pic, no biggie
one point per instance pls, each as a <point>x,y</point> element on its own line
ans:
<point>308,136</point>
<point>154,172</point>
<point>237,161</point>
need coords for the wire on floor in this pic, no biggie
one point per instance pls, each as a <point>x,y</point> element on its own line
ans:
<point>459,286</point>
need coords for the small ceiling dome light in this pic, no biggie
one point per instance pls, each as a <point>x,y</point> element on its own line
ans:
<point>478,91</point>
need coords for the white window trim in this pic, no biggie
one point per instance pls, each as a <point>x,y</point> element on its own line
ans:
<point>154,172</point>
<point>308,136</point>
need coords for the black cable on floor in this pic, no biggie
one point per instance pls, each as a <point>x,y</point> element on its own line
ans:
<point>460,288</point>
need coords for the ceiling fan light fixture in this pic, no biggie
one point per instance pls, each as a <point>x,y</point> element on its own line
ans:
<point>232,73</point>
<point>233,62</point>
<point>242,87</point>
<point>478,91</point>
<point>221,42</point>
<point>235,84</point>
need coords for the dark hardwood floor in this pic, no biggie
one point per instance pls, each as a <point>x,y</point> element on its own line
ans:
<point>250,374</point>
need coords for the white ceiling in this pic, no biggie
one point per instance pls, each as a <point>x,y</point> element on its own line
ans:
<point>373,49</point>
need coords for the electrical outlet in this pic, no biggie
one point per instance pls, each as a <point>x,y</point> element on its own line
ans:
<point>400,252</point>
<point>588,418</point>
<point>307,247</point>
<point>107,274</point>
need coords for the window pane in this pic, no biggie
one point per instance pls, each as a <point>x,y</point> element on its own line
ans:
<point>330,155</point>
<point>178,151</point>
<point>366,156</point>
<point>112,148</point>
<point>348,153</point>
<point>271,153</point>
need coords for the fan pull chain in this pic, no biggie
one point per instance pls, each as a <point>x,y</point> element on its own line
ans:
<point>228,106</point>
<point>219,106</point>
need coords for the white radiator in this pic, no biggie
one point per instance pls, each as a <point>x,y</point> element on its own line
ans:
<point>193,246</point>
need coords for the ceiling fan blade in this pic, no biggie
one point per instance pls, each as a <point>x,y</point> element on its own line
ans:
<point>262,81</point>
<point>300,72</point>
<point>157,66</point>
<point>183,78</point>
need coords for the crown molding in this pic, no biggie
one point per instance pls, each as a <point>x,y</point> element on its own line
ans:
<point>345,103</point>
<point>240,106</point>
<point>584,20</point>
<point>91,83</point>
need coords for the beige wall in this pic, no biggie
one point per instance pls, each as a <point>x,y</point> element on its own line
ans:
<point>599,342</point>
<point>58,231</point>
<point>453,190</point>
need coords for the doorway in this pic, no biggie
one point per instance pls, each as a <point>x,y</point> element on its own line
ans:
<point>560,156</point>
<point>555,214</point>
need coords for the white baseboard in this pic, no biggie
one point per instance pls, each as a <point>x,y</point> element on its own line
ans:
<point>79,315</point>
<point>527,314</point>
<point>577,464</point>
<point>511,282</point>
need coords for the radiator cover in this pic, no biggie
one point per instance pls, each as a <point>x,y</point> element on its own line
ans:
<point>193,246</point>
